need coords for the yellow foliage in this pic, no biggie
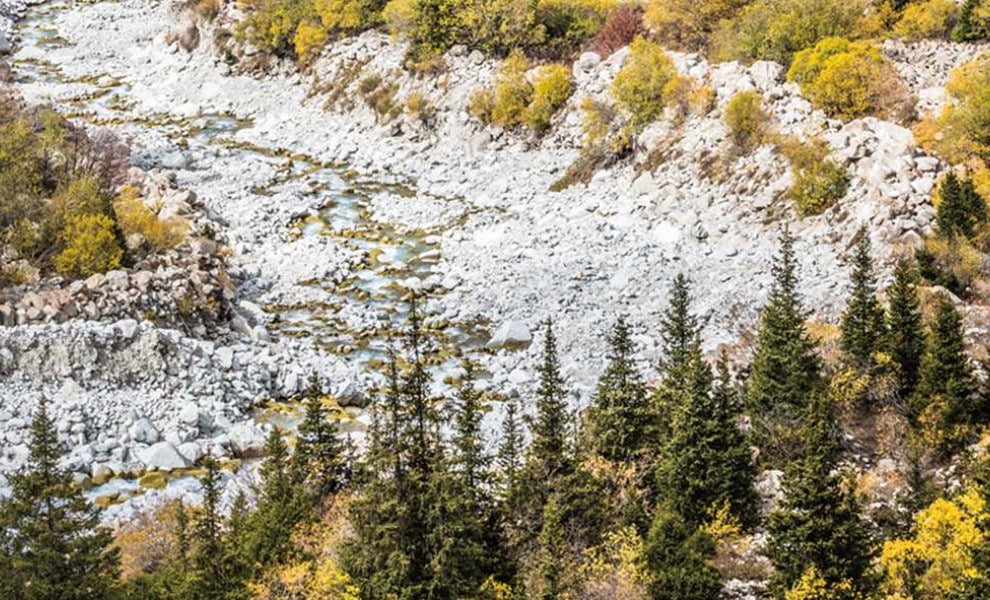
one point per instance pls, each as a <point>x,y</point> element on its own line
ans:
<point>928,19</point>
<point>964,126</point>
<point>492,589</point>
<point>551,89</point>
<point>271,24</point>
<point>818,182</point>
<point>400,16</point>
<point>812,586</point>
<point>421,108</point>
<point>939,558</point>
<point>747,120</point>
<point>481,105</point>
<point>562,26</point>
<point>134,217</point>
<point>615,568</point>
<point>638,88</point>
<point>723,525</point>
<point>148,542</point>
<point>89,247</point>
<point>309,41</point>
<point>79,198</point>
<point>956,256</point>
<point>678,94</point>
<point>348,15</point>
<point>687,24</point>
<point>513,92</point>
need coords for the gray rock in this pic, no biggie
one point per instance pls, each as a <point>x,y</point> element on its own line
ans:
<point>512,335</point>
<point>163,456</point>
<point>5,46</point>
<point>144,431</point>
<point>246,440</point>
<point>191,451</point>
<point>766,75</point>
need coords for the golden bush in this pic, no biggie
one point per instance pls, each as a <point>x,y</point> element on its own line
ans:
<point>513,92</point>
<point>90,246</point>
<point>747,120</point>
<point>551,89</point>
<point>638,88</point>
<point>309,41</point>
<point>928,19</point>
<point>148,542</point>
<point>818,182</point>
<point>962,130</point>
<point>687,24</point>
<point>134,217</point>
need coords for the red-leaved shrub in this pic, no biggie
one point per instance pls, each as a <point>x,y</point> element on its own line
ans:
<point>620,29</point>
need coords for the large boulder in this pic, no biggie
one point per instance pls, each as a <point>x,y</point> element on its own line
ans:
<point>163,456</point>
<point>144,431</point>
<point>246,440</point>
<point>511,335</point>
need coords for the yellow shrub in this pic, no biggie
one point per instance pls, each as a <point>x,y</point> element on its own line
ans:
<point>563,26</point>
<point>687,24</point>
<point>746,119</point>
<point>421,108</point>
<point>271,24</point>
<point>148,542</point>
<point>777,29</point>
<point>513,91</point>
<point>638,87</point>
<point>965,125</point>
<point>481,105</point>
<point>551,89</point>
<point>89,247</point>
<point>845,79</point>
<point>818,182</point>
<point>400,16</point>
<point>348,15</point>
<point>928,19</point>
<point>133,217</point>
<point>678,94</point>
<point>81,197</point>
<point>703,99</point>
<point>812,586</point>
<point>309,41</point>
<point>938,560</point>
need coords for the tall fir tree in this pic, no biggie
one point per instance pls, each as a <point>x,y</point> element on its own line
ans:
<point>320,460</point>
<point>818,523</point>
<point>552,557</point>
<point>785,370</point>
<point>905,328</point>
<point>678,559</point>
<point>52,546</point>
<point>961,209</point>
<point>863,324</point>
<point>679,330</point>
<point>946,376</point>
<point>707,464</point>
<point>550,451</point>
<point>212,576</point>
<point>622,418</point>
<point>281,506</point>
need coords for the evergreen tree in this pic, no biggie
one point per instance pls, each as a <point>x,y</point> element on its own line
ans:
<point>785,370</point>
<point>707,462</point>
<point>677,558</point>
<point>212,576</point>
<point>680,331</point>
<point>320,458</point>
<point>961,210</point>
<point>818,524</point>
<point>510,450</point>
<point>968,28</point>
<point>550,452</point>
<point>863,325</point>
<point>621,418</point>
<point>52,546</point>
<point>281,506</point>
<point>946,375</point>
<point>553,553</point>
<point>905,332</point>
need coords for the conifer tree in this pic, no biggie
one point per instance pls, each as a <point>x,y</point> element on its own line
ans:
<point>281,506</point>
<point>966,29</point>
<point>786,369</point>
<point>211,575</point>
<point>961,208</point>
<point>680,331</point>
<point>621,420</point>
<point>553,555</point>
<point>52,546</point>
<point>550,452</point>
<point>320,458</point>
<point>707,462</point>
<point>818,524</point>
<point>863,325</point>
<point>946,375</point>
<point>905,328</point>
<point>510,450</point>
<point>678,559</point>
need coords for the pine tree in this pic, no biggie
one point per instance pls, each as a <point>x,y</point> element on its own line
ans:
<point>320,458</point>
<point>678,559</point>
<point>553,554</point>
<point>946,375</point>
<point>621,420</point>
<point>211,575</point>
<point>961,208</point>
<point>52,546</point>
<point>707,462</point>
<point>863,326</point>
<point>550,452</point>
<point>818,524</point>
<point>281,506</point>
<point>785,370</point>
<point>510,450</point>
<point>968,27</point>
<point>680,331</point>
<point>905,333</point>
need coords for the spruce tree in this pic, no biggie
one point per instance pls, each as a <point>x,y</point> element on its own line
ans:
<point>863,325</point>
<point>52,546</point>
<point>786,369</point>
<point>818,524</point>
<point>621,417</point>
<point>212,576</point>
<point>281,506</point>
<point>553,555</point>
<point>707,463</point>
<point>679,330</point>
<point>320,458</point>
<point>678,559</point>
<point>510,449</point>
<point>905,328</point>
<point>946,375</point>
<point>550,452</point>
<point>961,209</point>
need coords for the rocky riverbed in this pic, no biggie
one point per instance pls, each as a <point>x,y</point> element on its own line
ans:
<point>332,217</point>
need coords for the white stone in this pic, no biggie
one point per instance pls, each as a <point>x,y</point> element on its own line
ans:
<point>163,456</point>
<point>511,334</point>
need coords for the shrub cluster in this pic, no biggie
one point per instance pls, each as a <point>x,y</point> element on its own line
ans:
<point>973,24</point>
<point>818,181</point>
<point>848,80</point>
<point>516,101</point>
<point>962,131</point>
<point>747,120</point>
<point>639,86</point>
<point>687,24</point>
<point>927,19</point>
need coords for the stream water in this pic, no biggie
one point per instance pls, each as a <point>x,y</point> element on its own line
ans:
<point>395,260</point>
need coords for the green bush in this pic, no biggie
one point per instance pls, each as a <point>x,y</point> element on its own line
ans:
<point>564,26</point>
<point>973,24</point>
<point>928,19</point>
<point>639,86</point>
<point>551,89</point>
<point>777,29</point>
<point>513,92</point>
<point>270,25</point>
<point>847,79</point>
<point>747,120</point>
<point>90,246</point>
<point>818,182</point>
